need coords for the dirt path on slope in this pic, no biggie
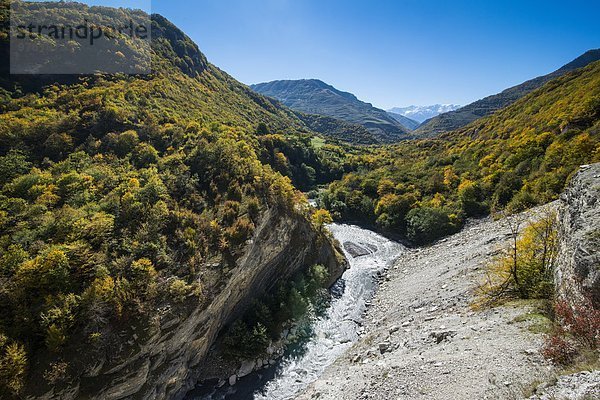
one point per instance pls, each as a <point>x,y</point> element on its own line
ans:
<point>423,341</point>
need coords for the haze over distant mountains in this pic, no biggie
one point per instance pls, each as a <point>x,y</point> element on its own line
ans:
<point>312,96</point>
<point>423,113</point>
<point>408,123</point>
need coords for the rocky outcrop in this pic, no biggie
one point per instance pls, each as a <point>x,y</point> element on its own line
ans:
<point>165,364</point>
<point>581,386</point>
<point>577,273</point>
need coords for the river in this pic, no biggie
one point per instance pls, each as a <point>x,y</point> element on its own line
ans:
<point>333,333</point>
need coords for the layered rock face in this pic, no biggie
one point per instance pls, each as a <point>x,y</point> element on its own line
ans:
<point>163,365</point>
<point>577,273</point>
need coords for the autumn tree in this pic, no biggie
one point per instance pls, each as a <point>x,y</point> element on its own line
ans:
<point>525,268</point>
<point>13,364</point>
<point>320,218</point>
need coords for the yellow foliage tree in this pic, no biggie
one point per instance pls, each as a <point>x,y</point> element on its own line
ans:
<point>525,269</point>
<point>320,218</point>
<point>13,364</point>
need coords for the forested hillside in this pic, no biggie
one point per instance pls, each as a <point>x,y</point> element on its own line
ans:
<point>338,130</point>
<point>122,193</point>
<point>519,157</point>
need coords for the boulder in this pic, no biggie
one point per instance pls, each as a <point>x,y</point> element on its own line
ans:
<point>384,347</point>
<point>358,250</point>
<point>246,368</point>
<point>232,380</point>
<point>440,336</point>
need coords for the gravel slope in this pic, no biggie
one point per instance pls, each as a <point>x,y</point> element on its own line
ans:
<point>423,340</point>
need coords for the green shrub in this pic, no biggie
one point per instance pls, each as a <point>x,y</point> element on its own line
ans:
<point>391,210</point>
<point>12,165</point>
<point>12,258</point>
<point>320,218</point>
<point>521,202</point>
<point>46,274</point>
<point>125,143</point>
<point>253,207</point>
<point>246,341</point>
<point>145,155</point>
<point>525,269</point>
<point>296,304</point>
<point>470,198</point>
<point>58,320</point>
<point>240,231</point>
<point>426,224</point>
<point>262,129</point>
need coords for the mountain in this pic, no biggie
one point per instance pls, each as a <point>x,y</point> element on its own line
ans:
<point>312,96</point>
<point>481,108</point>
<point>142,215</point>
<point>406,122</point>
<point>423,113</point>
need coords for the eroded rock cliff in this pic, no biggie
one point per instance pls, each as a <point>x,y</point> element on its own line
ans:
<point>163,362</point>
<point>577,272</point>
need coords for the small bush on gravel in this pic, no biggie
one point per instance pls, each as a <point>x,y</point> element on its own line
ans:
<point>559,350</point>
<point>524,270</point>
<point>577,332</point>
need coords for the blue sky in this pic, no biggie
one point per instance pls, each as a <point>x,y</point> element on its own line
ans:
<point>390,53</point>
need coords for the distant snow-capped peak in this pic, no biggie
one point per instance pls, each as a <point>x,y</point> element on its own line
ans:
<point>423,113</point>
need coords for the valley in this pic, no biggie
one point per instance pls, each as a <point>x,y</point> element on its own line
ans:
<point>406,325</point>
<point>331,333</point>
<point>423,340</point>
<point>427,337</point>
<point>180,235</point>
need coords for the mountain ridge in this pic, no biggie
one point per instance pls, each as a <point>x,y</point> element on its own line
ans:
<point>516,158</point>
<point>488,105</point>
<point>313,96</point>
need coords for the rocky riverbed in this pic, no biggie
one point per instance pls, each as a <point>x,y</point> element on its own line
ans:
<point>323,339</point>
<point>423,340</point>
